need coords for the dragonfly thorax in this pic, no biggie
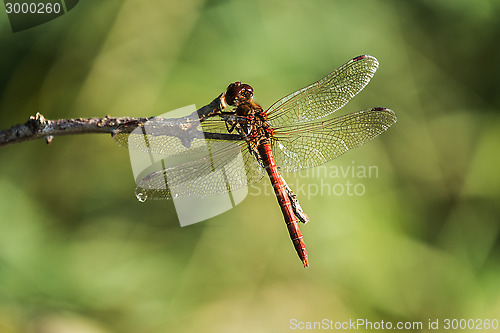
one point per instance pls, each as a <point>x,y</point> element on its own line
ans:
<point>253,121</point>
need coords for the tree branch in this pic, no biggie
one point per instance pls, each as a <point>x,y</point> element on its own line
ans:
<point>184,128</point>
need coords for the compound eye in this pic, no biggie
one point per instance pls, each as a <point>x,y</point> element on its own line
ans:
<point>238,92</point>
<point>247,90</point>
<point>233,91</point>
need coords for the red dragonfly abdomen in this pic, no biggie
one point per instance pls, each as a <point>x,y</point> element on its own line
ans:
<point>284,202</point>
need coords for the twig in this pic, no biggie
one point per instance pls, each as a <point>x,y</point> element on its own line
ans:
<point>38,127</point>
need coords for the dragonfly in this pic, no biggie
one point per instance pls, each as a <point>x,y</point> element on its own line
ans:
<point>295,133</point>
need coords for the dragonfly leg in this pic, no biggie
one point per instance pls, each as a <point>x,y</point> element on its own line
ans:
<point>233,125</point>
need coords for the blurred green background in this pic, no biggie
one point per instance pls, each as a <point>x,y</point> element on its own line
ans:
<point>78,252</point>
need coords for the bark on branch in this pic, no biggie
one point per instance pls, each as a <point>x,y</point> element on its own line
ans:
<point>184,128</point>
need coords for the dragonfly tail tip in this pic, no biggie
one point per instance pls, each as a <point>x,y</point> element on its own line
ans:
<point>306,262</point>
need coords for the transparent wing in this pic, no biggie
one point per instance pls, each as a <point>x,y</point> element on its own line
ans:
<point>168,145</point>
<point>189,165</point>
<point>155,136</point>
<point>307,145</point>
<point>324,96</point>
<point>228,166</point>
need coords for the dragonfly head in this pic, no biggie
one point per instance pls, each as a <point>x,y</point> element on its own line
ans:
<point>237,93</point>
